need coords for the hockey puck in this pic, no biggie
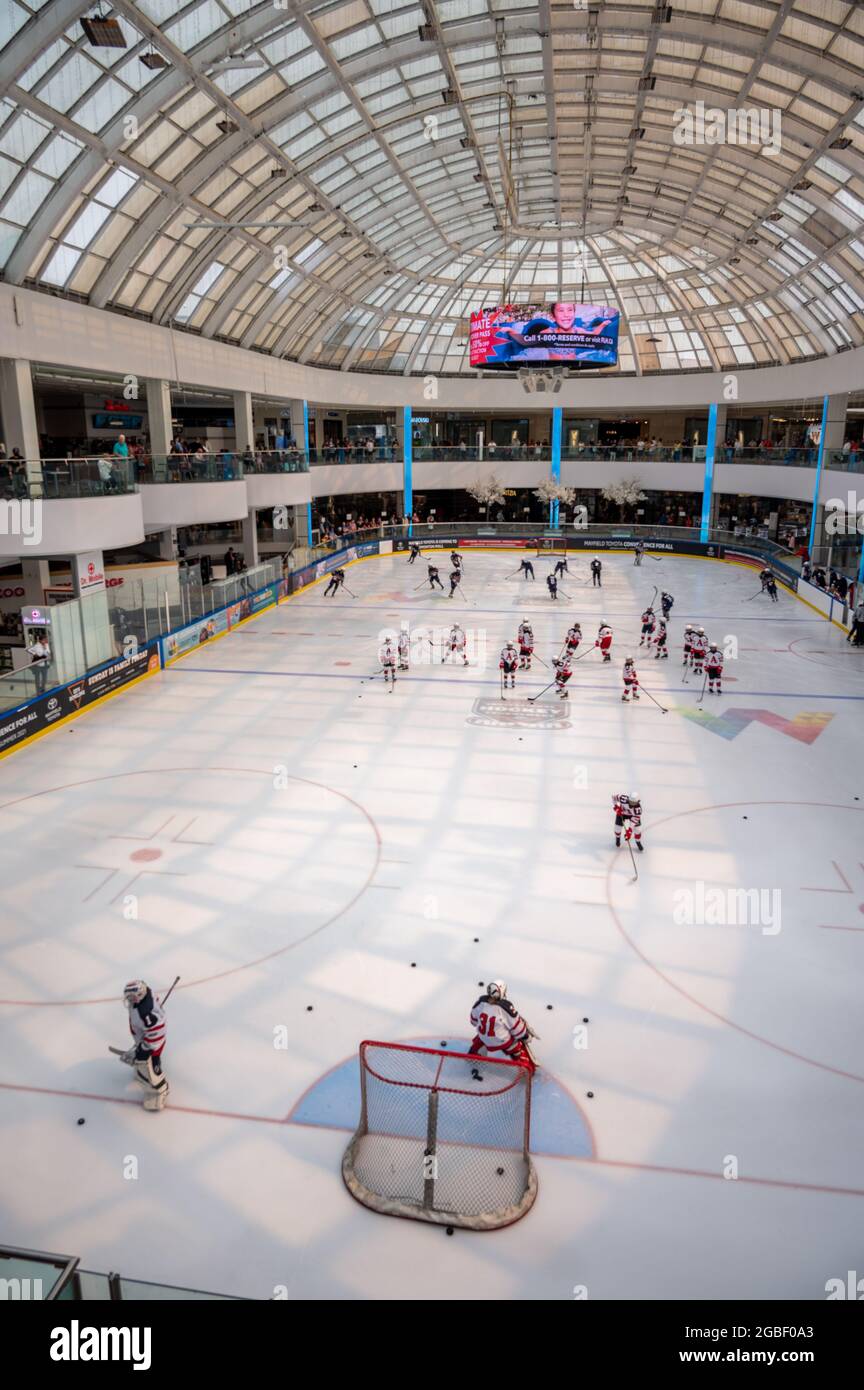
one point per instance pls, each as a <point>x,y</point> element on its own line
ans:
<point>476,939</point>
<point>550,1006</point>
<point>743,817</point>
<point>585,1020</point>
<point>81,1121</point>
<point>500,1172</point>
<point>309,1008</point>
<point>590,1095</point>
<point>413,965</point>
<point>443,1043</point>
<point>449,1230</point>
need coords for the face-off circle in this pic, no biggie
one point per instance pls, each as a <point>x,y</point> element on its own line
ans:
<point>732,915</point>
<point>201,872</point>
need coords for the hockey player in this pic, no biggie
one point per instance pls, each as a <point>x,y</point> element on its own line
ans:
<point>455,580</point>
<point>563,673</point>
<point>561,566</point>
<point>433,577</point>
<point>573,638</point>
<point>666,602</point>
<point>765,574</point>
<point>337,579</point>
<point>596,571</point>
<point>661,650</point>
<point>604,641</point>
<point>698,647</point>
<point>689,634</point>
<point>415,552</point>
<point>628,817</point>
<point>456,644</point>
<point>387,657</point>
<point>456,559</point>
<point>507,664</point>
<point>147,1026</point>
<point>631,681</point>
<point>526,645</point>
<point>714,668</point>
<point>638,552</point>
<point>526,569</point>
<point>552,586</point>
<point>771,586</point>
<point>499,1029</point>
<point>648,625</point>
<point>403,649</point>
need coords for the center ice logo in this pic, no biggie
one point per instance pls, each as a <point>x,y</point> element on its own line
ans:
<point>494,714</point>
<point>804,728</point>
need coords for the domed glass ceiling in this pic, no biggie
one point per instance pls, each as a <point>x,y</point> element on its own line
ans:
<point>341,184</point>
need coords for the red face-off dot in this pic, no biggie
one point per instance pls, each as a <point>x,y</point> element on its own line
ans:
<point>145,856</point>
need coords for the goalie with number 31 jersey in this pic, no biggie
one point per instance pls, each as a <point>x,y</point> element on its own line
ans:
<point>501,1030</point>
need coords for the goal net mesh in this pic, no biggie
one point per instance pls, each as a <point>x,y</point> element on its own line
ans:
<point>437,1144</point>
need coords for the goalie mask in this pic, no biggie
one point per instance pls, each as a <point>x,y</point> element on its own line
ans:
<point>496,989</point>
<point>134,992</point>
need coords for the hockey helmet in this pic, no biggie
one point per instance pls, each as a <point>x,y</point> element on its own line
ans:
<point>496,989</point>
<point>713,646</point>
<point>628,661</point>
<point>134,992</point>
<point>700,632</point>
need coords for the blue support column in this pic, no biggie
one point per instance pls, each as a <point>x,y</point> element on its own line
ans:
<point>708,485</point>
<point>822,437</point>
<point>557,419</point>
<point>407,463</point>
<point>306,452</point>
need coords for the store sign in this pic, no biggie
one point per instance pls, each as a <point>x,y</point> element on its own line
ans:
<point>91,572</point>
<point>36,617</point>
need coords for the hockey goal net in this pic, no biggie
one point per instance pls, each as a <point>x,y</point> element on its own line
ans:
<point>551,546</point>
<point>436,1144</point>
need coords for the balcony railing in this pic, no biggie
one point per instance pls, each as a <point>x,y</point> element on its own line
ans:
<point>51,477</point>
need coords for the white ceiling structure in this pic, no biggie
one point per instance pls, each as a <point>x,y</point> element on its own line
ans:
<point>363,174</point>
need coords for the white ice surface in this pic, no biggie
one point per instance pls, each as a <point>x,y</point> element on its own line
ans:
<point>411,833</point>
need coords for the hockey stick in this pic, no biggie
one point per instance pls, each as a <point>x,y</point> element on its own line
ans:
<point>540,659</point>
<point>503,686</point>
<point>654,596</point>
<point>164,1000</point>
<point>633,862</point>
<point>656,702</point>
<point>752,596</point>
<point>349,591</point>
<point>532,698</point>
<point>564,592</point>
<point>704,683</point>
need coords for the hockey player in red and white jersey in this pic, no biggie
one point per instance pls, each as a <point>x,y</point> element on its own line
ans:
<point>628,818</point>
<point>507,665</point>
<point>500,1029</point>
<point>147,1026</point>
<point>573,638</point>
<point>660,648</point>
<point>647,627</point>
<point>525,637</point>
<point>387,657</point>
<point>563,673</point>
<point>714,668</point>
<point>455,645</point>
<point>604,641</point>
<point>631,680</point>
<point>689,634</point>
<point>698,646</point>
<point>404,648</point>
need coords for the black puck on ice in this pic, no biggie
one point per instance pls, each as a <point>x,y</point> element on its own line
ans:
<point>476,939</point>
<point>449,1230</point>
<point>550,1006</point>
<point>585,1020</point>
<point>500,1172</point>
<point>309,1008</point>
<point>81,1121</point>
<point>590,1095</point>
<point>413,965</point>
<point>443,1043</point>
<point>743,817</point>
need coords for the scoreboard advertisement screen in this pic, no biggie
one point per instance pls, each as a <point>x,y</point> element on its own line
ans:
<point>519,334</point>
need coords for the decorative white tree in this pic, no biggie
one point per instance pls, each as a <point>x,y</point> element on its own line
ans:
<point>552,491</point>
<point>624,494</point>
<point>487,491</point>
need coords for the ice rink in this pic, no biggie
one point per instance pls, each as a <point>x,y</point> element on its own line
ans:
<point>313,854</point>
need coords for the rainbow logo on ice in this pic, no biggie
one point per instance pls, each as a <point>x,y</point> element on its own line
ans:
<point>805,727</point>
